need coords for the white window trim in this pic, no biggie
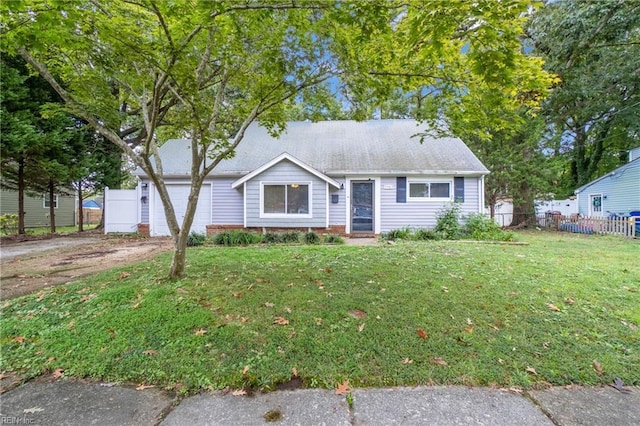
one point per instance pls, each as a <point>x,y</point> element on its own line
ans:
<point>45,198</point>
<point>429,199</point>
<point>264,215</point>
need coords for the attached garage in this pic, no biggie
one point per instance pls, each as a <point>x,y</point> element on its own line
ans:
<point>179,193</point>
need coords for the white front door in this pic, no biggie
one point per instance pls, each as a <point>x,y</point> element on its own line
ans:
<point>595,205</point>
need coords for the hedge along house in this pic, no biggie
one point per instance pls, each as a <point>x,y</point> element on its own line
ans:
<point>335,176</point>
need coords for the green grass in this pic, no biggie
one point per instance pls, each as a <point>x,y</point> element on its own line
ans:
<point>487,310</point>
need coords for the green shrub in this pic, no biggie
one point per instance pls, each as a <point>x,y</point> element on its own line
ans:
<point>311,238</point>
<point>196,239</point>
<point>397,234</point>
<point>333,239</point>
<point>426,234</point>
<point>482,227</point>
<point>9,224</point>
<point>236,238</point>
<point>271,238</point>
<point>291,237</point>
<point>448,223</point>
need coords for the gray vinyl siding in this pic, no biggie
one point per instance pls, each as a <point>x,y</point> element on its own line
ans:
<point>338,211</point>
<point>227,203</point>
<point>420,214</point>
<point>287,172</point>
<point>144,207</point>
<point>622,191</point>
<point>36,215</point>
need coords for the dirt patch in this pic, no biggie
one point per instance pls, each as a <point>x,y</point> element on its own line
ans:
<point>28,266</point>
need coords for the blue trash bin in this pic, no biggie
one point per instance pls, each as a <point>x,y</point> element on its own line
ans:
<point>636,216</point>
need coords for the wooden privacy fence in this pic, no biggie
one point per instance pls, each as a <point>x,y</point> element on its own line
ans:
<point>624,226</point>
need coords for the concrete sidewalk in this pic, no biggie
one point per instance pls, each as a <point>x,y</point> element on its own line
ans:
<point>69,402</point>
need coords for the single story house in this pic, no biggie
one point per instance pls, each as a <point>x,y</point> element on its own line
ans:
<point>36,208</point>
<point>616,193</point>
<point>344,177</point>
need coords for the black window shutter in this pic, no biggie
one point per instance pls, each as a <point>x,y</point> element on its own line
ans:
<point>401,190</point>
<point>458,189</point>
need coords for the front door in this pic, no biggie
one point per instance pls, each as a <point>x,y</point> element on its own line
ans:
<point>362,207</point>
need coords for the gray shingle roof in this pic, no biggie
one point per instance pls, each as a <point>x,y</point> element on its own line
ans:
<point>338,148</point>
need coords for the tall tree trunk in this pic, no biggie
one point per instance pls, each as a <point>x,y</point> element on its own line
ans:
<point>181,237</point>
<point>179,258</point>
<point>52,207</point>
<point>21,186</point>
<point>80,209</point>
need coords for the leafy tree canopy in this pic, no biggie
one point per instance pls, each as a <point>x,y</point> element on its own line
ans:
<point>593,112</point>
<point>142,71</point>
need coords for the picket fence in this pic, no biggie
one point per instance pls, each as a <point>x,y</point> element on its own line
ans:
<point>625,226</point>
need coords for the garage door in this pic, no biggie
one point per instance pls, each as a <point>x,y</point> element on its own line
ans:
<point>179,194</point>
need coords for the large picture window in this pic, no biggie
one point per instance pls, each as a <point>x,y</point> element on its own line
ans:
<point>429,190</point>
<point>286,199</point>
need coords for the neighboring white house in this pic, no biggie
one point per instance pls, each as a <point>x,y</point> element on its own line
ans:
<point>616,193</point>
<point>340,176</point>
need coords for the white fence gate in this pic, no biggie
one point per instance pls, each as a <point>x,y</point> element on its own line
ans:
<point>121,210</point>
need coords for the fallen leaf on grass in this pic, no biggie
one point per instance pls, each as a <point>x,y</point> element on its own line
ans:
<point>150,352</point>
<point>237,294</point>
<point>468,330</point>
<point>423,334</point>
<point>269,305</point>
<point>245,370</point>
<point>361,328</point>
<point>294,371</point>
<point>281,321</point>
<point>58,373</point>
<point>553,307</point>
<point>597,366</point>
<point>239,392</point>
<point>356,313</point>
<point>407,361</point>
<point>569,300</point>
<point>318,321</point>
<point>18,339</point>
<point>438,361</point>
<point>531,370</point>
<point>124,275</point>
<point>200,332</point>
<point>469,322</point>
<point>343,388</point>
<point>141,387</point>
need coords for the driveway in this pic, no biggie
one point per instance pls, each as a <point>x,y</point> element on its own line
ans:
<point>29,266</point>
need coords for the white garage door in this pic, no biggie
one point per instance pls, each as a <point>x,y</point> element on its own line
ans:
<point>179,194</point>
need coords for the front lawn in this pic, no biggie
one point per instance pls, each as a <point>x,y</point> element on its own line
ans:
<point>563,309</point>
